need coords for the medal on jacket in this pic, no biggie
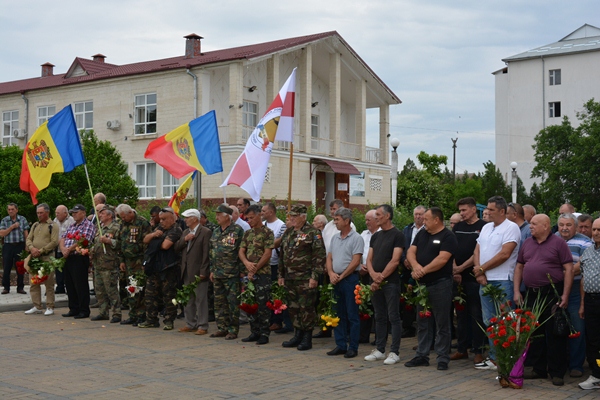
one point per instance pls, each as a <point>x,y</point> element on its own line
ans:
<point>133,234</point>
<point>231,239</point>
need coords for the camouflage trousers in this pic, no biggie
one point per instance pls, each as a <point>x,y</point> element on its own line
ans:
<point>227,304</point>
<point>302,303</point>
<point>107,291</point>
<point>161,289</point>
<point>259,322</point>
<point>137,308</point>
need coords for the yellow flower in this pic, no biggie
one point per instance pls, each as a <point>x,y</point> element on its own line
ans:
<point>323,317</point>
<point>328,324</point>
<point>598,362</point>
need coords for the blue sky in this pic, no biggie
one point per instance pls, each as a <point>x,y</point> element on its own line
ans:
<point>437,56</point>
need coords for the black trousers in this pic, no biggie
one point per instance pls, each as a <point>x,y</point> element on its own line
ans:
<point>76,282</point>
<point>10,254</point>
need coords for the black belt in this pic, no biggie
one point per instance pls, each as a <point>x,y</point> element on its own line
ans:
<point>546,288</point>
<point>14,243</point>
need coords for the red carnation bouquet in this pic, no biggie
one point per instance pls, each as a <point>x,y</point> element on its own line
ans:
<point>82,243</point>
<point>278,296</point>
<point>248,298</point>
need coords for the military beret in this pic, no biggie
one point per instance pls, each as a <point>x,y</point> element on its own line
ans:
<point>298,209</point>
<point>224,208</point>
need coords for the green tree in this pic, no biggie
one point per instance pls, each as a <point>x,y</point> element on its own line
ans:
<point>493,183</point>
<point>106,168</point>
<point>566,160</point>
<point>432,163</point>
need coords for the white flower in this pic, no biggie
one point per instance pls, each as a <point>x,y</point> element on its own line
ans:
<point>174,302</point>
<point>40,273</point>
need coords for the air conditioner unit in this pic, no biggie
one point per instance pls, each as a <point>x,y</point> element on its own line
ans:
<point>115,125</point>
<point>19,133</point>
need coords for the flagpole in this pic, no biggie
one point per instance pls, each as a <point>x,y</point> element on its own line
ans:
<point>224,194</point>
<point>94,206</point>
<point>289,207</point>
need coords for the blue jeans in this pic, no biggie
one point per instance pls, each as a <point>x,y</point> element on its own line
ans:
<point>347,332</point>
<point>577,345</point>
<point>386,303</point>
<point>488,309</point>
<point>440,298</point>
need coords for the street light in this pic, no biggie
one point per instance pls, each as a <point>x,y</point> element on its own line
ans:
<point>394,142</point>
<point>514,166</point>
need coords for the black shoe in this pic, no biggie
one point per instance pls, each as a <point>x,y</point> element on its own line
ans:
<point>252,338</point>
<point>114,320</point>
<point>100,318</point>
<point>337,351</point>
<point>322,334</point>
<point>442,366</point>
<point>70,314</point>
<point>417,362</point>
<point>295,340</point>
<point>351,353</point>
<point>81,316</point>
<point>306,343</point>
<point>557,381</point>
<point>128,321</point>
<point>264,339</point>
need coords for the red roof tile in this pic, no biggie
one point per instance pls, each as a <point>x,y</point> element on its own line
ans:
<point>100,70</point>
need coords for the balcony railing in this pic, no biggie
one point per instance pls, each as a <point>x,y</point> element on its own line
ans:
<point>321,146</point>
<point>350,150</point>
<point>373,155</point>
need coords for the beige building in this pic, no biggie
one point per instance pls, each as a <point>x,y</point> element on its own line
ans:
<point>130,105</point>
<point>538,88</point>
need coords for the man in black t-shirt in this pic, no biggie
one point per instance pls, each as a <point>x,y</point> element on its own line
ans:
<point>468,315</point>
<point>431,256</point>
<point>385,252</point>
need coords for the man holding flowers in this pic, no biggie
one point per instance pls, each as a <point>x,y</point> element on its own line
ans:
<point>343,266</point>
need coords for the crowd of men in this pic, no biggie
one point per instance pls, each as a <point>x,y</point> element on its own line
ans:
<point>511,248</point>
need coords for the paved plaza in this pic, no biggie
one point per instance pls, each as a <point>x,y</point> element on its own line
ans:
<point>51,357</point>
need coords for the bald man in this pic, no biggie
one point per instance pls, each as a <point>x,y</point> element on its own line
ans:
<point>541,255</point>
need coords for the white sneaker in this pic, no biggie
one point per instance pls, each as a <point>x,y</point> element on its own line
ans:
<point>34,310</point>
<point>375,355</point>
<point>486,364</point>
<point>590,383</point>
<point>49,311</point>
<point>391,359</point>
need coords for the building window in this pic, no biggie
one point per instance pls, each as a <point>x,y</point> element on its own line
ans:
<point>249,118</point>
<point>554,109</point>
<point>44,113</point>
<point>314,126</point>
<point>145,180</point>
<point>170,184</point>
<point>554,77</point>
<point>84,115</point>
<point>145,114</point>
<point>10,122</point>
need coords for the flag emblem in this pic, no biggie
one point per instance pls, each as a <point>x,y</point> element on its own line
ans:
<point>39,154</point>
<point>184,148</point>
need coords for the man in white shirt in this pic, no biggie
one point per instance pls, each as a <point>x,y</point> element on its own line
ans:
<point>64,220</point>
<point>237,220</point>
<point>494,260</point>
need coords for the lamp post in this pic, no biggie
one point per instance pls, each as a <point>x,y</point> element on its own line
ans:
<point>514,165</point>
<point>394,142</point>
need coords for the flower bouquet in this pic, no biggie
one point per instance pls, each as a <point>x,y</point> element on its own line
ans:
<point>407,299</point>
<point>326,308</point>
<point>510,332</point>
<point>421,298</point>
<point>248,298</point>
<point>186,292</point>
<point>39,270</point>
<point>278,295</point>
<point>82,243</point>
<point>459,300</point>
<point>362,297</point>
<point>137,282</point>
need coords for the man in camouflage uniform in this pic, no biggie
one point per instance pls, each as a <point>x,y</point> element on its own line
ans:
<point>301,261</point>
<point>255,253</point>
<point>131,242</point>
<point>225,272</point>
<point>163,273</point>
<point>105,258</point>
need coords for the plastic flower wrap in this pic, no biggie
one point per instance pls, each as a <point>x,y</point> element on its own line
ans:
<point>278,298</point>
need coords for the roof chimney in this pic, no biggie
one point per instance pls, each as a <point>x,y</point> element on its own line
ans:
<point>98,58</point>
<point>47,69</point>
<point>192,45</point>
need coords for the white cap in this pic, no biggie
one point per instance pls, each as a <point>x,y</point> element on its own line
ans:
<point>192,212</point>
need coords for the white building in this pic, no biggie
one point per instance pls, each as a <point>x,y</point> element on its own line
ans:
<point>538,88</point>
<point>130,105</point>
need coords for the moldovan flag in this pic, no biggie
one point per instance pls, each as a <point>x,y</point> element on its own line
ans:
<point>191,147</point>
<point>249,170</point>
<point>54,147</point>
<point>181,193</point>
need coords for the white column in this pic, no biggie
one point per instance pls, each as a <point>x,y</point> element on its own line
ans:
<point>360,113</point>
<point>236,80</point>
<point>305,97</point>
<point>335,94</point>
<point>384,131</point>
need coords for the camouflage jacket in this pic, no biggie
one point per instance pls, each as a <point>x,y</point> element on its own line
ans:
<point>301,253</point>
<point>256,241</point>
<point>131,238</point>
<point>109,260</point>
<point>224,249</point>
